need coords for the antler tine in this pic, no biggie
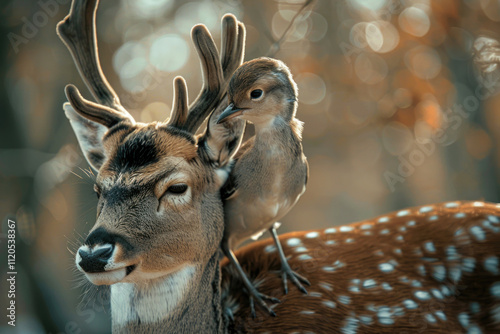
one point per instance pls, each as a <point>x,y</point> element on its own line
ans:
<point>212,78</point>
<point>77,31</point>
<point>233,45</point>
<point>90,110</point>
<point>180,104</point>
<point>216,73</point>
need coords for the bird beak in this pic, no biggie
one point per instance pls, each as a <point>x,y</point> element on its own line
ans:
<point>230,112</point>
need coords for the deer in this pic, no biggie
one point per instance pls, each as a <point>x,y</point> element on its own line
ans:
<point>157,236</point>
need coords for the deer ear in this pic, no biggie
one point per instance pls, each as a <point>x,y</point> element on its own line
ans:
<point>89,135</point>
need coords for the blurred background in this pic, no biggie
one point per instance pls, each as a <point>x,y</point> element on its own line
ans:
<point>396,115</point>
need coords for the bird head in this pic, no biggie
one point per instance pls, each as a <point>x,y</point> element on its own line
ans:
<point>260,90</point>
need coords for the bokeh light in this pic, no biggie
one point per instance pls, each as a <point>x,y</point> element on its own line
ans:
<point>169,53</point>
<point>377,79</point>
<point>312,88</point>
<point>414,21</point>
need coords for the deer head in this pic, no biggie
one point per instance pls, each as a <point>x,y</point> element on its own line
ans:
<point>159,209</point>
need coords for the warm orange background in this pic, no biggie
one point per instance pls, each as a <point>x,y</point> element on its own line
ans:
<point>381,86</point>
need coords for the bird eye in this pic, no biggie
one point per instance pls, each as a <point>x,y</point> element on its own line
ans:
<point>97,191</point>
<point>177,189</point>
<point>256,93</point>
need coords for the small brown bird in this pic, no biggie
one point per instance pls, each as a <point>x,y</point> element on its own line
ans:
<point>270,170</point>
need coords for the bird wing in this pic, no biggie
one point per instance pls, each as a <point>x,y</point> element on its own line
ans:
<point>244,148</point>
<point>229,189</point>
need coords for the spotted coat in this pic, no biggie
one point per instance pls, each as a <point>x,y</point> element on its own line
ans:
<point>429,269</point>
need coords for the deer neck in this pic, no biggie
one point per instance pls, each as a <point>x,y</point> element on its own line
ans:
<point>187,301</point>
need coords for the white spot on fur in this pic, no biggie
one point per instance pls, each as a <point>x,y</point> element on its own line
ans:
<point>385,231</point>
<point>437,293</point>
<point>433,217</point>
<point>329,303</point>
<point>441,315</point>
<point>346,228</point>
<point>487,224</point>
<point>495,289</point>
<point>386,286</point>
<point>452,253</point>
<point>304,257</point>
<point>386,267</point>
<point>445,290</point>
<point>312,235</point>
<point>468,264</point>
<point>410,304</point>
<point>491,264</point>
<point>403,213</point>
<point>270,249</point>
<point>493,219</point>
<point>350,326</point>
<point>330,242</point>
<point>366,226</point>
<point>495,313</point>
<point>429,247</point>
<point>344,299</point>
<point>411,223</point>
<point>384,219</point>
<point>439,273</point>
<point>463,318</point>
<point>300,249</point>
<point>292,242</point>
<point>421,270</point>
<point>331,230</point>
<point>430,318</point>
<point>478,233</point>
<point>326,286</point>
<point>366,319</point>
<point>477,204</point>
<point>451,205</point>
<point>425,209</point>
<point>307,312</point>
<point>422,295</point>
<point>369,284</point>
<point>460,215</point>
<point>455,273</point>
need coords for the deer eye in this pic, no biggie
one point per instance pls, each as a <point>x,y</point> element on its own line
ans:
<point>177,189</point>
<point>256,94</point>
<point>97,190</point>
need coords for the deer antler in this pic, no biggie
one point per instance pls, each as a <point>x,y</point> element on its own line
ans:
<point>216,73</point>
<point>77,31</point>
<point>221,141</point>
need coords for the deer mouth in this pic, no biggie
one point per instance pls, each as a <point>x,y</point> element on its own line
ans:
<point>109,277</point>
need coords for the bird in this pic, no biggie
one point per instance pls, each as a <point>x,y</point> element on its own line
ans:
<point>269,171</point>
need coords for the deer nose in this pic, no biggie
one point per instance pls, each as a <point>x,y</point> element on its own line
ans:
<point>93,260</point>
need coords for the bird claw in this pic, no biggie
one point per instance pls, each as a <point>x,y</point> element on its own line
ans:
<point>260,300</point>
<point>295,278</point>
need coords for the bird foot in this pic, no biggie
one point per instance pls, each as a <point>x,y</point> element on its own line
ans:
<point>286,271</point>
<point>259,297</point>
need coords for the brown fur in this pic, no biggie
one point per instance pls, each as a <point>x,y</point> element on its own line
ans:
<point>158,239</point>
<point>361,259</point>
